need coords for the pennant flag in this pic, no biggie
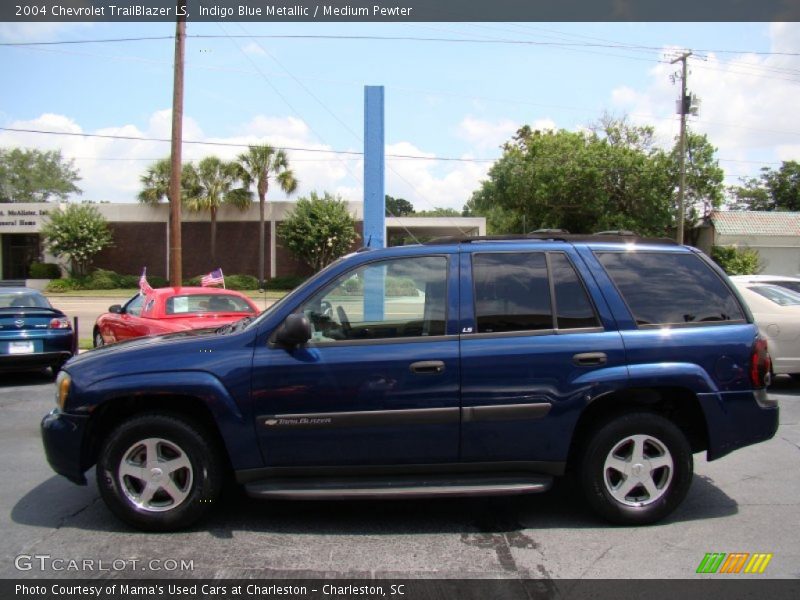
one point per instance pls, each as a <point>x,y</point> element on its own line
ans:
<point>144,287</point>
<point>213,278</point>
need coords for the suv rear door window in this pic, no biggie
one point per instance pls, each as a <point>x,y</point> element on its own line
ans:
<point>512,292</point>
<point>573,307</point>
<point>662,288</point>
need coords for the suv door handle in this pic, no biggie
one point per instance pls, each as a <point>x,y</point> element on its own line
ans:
<point>427,367</point>
<point>588,359</point>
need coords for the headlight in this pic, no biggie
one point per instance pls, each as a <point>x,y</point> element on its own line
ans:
<point>63,382</point>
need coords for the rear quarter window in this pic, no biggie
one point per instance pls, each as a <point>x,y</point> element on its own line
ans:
<point>662,288</point>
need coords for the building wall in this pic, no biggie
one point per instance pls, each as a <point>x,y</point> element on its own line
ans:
<point>780,255</point>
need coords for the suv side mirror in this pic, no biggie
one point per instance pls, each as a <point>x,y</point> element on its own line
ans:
<point>296,330</point>
<point>115,308</point>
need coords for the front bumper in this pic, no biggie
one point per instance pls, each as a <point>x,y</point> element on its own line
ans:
<point>63,436</point>
<point>738,419</point>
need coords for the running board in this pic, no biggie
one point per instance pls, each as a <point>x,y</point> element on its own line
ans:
<point>398,487</point>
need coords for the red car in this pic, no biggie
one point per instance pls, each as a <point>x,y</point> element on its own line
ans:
<point>169,310</point>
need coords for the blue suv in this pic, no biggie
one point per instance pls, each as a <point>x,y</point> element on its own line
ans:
<point>474,366</point>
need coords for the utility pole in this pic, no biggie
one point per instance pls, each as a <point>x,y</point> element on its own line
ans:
<point>684,108</point>
<point>175,251</point>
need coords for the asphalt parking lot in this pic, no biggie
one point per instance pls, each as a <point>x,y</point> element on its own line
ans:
<point>747,502</point>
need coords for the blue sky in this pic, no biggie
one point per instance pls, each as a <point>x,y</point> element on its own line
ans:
<point>443,100</point>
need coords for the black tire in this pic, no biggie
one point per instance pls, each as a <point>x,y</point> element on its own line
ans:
<point>794,376</point>
<point>176,499</point>
<point>636,468</point>
<point>97,339</point>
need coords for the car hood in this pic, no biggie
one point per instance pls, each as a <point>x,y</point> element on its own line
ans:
<point>129,350</point>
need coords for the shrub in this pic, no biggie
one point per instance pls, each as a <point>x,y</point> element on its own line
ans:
<point>287,282</point>
<point>102,279</point>
<point>128,281</point>
<point>241,282</point>
<point>736,261</point>
<point>62,285</point>
<point>155,281</point>
<point>45,271</point>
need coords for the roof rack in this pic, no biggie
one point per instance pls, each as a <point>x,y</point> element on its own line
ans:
<point>609,236</point>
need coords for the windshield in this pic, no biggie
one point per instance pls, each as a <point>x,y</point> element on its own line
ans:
<point>777,294</point>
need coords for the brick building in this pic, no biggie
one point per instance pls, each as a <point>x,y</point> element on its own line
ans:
<point>141,238</point>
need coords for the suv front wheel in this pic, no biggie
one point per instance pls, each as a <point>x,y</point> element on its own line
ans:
<point>157,472</point>
<point>636,468</point>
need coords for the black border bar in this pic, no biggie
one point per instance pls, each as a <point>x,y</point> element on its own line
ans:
<point>401,10</point>
<point>715,588</point>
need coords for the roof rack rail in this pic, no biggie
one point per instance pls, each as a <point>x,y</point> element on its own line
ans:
<point>612,236</point>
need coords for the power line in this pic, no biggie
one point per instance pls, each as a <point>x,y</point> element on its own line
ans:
<point>560,44</point>
<point>353,153</point>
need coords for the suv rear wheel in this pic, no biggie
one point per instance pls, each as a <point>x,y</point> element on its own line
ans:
<point>157,472</point>
<point>636,468</point>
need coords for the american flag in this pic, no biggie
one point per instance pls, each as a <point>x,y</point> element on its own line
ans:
<point>213,278</point>
<point>144,286</point>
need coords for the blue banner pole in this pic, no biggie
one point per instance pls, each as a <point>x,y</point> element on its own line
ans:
<point>374,199</point>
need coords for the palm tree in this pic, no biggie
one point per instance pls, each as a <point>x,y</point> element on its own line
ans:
<point>260,164</point>
<point>155,182</point>
<point>214,183</point>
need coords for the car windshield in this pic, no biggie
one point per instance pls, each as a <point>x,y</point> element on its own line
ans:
<point>204,303</point>
<point>24,299</point>
<point>777,294</point>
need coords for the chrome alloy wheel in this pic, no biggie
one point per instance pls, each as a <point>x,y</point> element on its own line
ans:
<point>638,470</point>
<point>155,475</point>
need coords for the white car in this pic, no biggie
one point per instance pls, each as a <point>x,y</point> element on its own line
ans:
<point>776,310</point>
<point>792,283</point>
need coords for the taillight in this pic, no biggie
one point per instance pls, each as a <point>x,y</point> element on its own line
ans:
<point>760,364</point>
<point>60,323</point>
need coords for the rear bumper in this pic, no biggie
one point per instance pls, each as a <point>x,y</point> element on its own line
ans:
<point>40,360</point>
<point>63,436</point>
<point>738,419</point>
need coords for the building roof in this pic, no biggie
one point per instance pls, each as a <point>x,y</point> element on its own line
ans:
<point>750,222</point>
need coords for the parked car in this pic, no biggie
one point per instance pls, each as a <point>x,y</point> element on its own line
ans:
<point>776,310</point>
<point>33,334</point>
<point>472,366</point>
<point>791,283</point>
<point>168,310</point>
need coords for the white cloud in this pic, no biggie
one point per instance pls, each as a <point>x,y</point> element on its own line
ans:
<point>484,135</point>
<point>428,183</point>
<point>748,102</point>
<point>254,49</point>
<point>110,169</point>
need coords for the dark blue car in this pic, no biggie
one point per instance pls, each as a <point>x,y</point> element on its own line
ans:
<point>33,334</point>
<point>463,367</point>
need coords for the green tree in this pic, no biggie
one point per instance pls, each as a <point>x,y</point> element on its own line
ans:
<point>212,184</point>
<point>155,182</point>
<point>76,234</point>
<point>319,230</point>
<point>774,189</point>
<point>737,261</point>
<point>438,211</point>
<point>579,181</point>
<point>398,207</point>
<point>704,181</point>
<point>36,176</point>
<point>261,164</point>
